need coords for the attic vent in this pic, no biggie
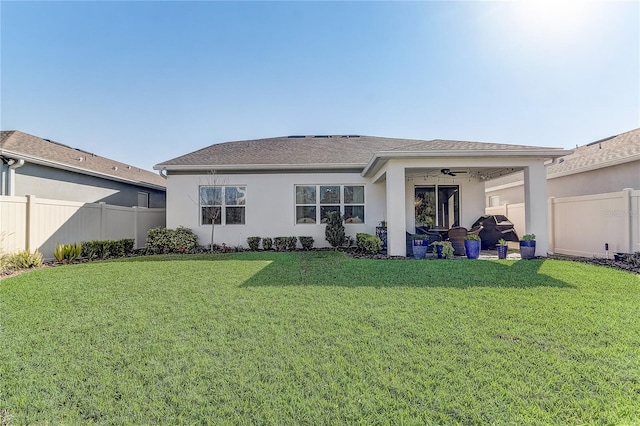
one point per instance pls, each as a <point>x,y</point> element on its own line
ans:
<point>322,136</point>
<point>80,158</point>
<point>296,137</point>
<point>561,160</point>
<point>115,167</point>
<point>128,167</point>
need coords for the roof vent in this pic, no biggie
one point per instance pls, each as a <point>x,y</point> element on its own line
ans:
<point>322,136</point>
<point>296,137</point>
<point>115,167</point>
<point>80,158</point>
<point>561,160</point>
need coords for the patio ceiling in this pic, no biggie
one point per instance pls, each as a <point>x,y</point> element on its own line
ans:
<point>479,173</point>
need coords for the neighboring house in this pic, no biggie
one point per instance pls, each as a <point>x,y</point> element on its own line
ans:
<point>607,165</point>
<point>285,186</point>
<point>34,166</point>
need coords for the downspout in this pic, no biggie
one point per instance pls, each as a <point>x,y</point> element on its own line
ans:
<point>11,184</point>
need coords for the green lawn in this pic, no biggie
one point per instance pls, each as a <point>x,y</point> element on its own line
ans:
<point>318,338</point>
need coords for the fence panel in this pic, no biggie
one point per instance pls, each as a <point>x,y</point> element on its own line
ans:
<point>13,224</point>
<point>35,223</point>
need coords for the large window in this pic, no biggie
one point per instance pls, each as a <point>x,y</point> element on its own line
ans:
<point>437,205</point>
<point>223,205</point>
<point>314,202</point>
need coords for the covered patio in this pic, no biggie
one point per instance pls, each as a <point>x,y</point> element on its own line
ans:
<point>450,183</point>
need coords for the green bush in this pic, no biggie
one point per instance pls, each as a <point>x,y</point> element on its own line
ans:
<point>25,259</point>
<point>280,243</point>
<point>334,232</point>
<point>102,249</point>
<point>164,240</point>
<point>474,237</point>
<point>306,242</point>
<point>267,243</point>
<point>67,252</point>
<point>368,243</point>
<point>254,243</point>
<point>292,243</point>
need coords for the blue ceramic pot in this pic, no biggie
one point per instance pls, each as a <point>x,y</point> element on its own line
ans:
<point>527,249</point>
<point>472,248</point>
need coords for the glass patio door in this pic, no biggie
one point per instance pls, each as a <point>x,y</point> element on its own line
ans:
<point>437,206</point>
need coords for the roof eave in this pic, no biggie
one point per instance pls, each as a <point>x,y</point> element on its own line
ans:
<point>251,167</point>
<point>379,158</point>
<point>62,166</point>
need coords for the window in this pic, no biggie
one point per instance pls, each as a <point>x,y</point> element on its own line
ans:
<point>314,202</point>
<point>143,199</point>
<point>437,205</point>
<point>223,205</point>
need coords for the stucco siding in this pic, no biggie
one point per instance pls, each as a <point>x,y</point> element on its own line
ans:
<point>47,182</point>
<point>270,205</point>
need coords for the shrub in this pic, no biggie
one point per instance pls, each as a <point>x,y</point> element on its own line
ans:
<point>334,232</point>
<point>368,243</point>
<point>254,243</point>
<point>280,243</point>
<point>528,237</point>
<point>267,243</point>
<point>25,259</point>
<point>306,242</point>
<point>164,240</point>
<point>67,252</point>
<point>292,243</point>
<point>183,240</point>
<point>107,248</point>
<point>472,237</point>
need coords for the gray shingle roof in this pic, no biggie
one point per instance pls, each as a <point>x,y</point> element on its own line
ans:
<point>618,149</point>
<point>326,150</point>
<point>13,142</point>
<point>621,147</point>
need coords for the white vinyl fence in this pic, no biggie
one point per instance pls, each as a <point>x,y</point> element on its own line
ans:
<point>35,223</point>
<point>581,226</point>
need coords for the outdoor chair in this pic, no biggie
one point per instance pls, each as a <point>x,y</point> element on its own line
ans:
<point>456,236</point>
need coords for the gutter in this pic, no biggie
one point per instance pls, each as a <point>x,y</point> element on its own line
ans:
<point>62,166</point>
<point>14,163</point>
<point>249,167</point>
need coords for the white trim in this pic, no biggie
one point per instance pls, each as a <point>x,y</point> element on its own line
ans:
<point>62,166</point>
<point>379,158</point>
<point>248,167</point>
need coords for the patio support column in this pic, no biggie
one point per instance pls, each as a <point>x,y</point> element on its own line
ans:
<point>396,216</point>
<point>535,206</point>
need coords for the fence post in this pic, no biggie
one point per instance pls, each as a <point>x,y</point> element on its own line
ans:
<point>103,219</point>
<point>135,226</point>
<point>627,218</point>
<point>552,223</point>
<point>30,222</point>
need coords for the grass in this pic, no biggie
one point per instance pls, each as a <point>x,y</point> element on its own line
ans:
<point>318,338</point>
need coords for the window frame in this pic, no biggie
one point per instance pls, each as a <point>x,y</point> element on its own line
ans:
<point>222,206</point>
<point>318,204</point>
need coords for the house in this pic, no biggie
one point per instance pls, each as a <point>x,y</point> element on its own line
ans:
<point>285,186</point>
<point>46,169</point>
<point>606,165</point>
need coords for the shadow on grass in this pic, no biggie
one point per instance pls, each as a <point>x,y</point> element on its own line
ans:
<point>327,268</point>
<point>339,270</point>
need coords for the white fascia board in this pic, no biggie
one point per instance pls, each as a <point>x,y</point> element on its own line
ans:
<point>250,167</point>
<point>61,166</point>
<point>381,157</point>
<point>504,186</point>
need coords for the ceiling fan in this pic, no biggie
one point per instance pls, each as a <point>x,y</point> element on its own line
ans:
<point>452,172</point>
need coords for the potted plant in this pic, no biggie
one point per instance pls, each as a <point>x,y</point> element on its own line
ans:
<point>443,249</point>
<point>420,246</point>
<point>472,246</point>
<point>528,246</point>
<point>502,248</point>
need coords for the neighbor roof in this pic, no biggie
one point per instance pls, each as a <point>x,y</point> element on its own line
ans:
<point>331,151</point>
<point>619,149</point>
<point>16,144</point>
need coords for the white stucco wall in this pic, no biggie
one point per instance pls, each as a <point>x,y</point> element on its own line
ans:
<point>270,205</point>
